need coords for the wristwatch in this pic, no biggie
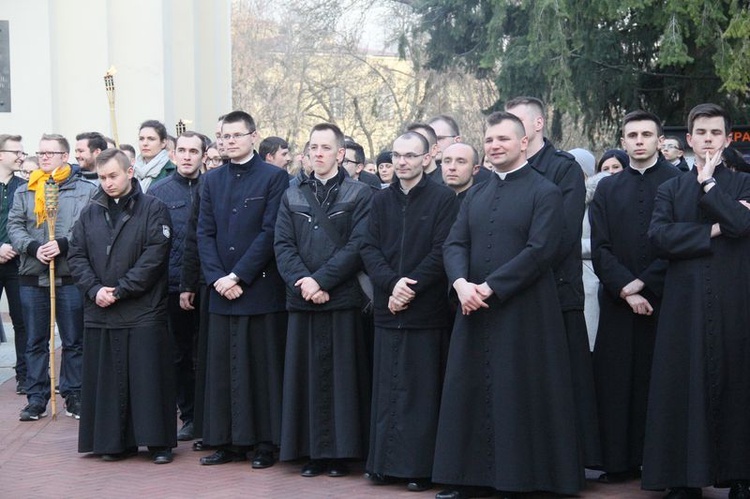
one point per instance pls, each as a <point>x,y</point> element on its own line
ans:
<point>708,181</point>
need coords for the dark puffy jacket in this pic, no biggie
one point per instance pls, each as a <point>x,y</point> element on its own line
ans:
<point>180,194</point>
<point>130,255</point>
<point>303,248</point>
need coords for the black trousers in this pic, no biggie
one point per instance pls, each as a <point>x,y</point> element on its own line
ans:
<point>183,325</point>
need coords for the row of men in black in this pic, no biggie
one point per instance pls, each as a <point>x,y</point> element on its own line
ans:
<point>403,292</point>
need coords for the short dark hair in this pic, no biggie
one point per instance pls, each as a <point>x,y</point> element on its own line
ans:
<point>127,147</point>
<point>499,116</point>
<point>525,100</point>
<point>448,120</point>
<point>189,134</point>
<point>321,127</point>
<point>709,110</point>
<point>359,151</point>
<point>95,140</point>
<point>618,154</point>
<point>413,134</point>
<point>115,154</point>
<point>59,139</point>
<point>641,115</point>
<point>240,117</point>
<point>7,137</point>
<point>158,126</point>
<point>270,145</point>
<point>680,142</point>
<point>429,131</point>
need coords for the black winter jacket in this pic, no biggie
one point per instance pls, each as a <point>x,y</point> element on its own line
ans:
<point>304,249</point>
<point>130,255</point>
<point>180,194</point>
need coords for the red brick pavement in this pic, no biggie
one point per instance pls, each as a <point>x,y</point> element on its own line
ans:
<point>39,459</point>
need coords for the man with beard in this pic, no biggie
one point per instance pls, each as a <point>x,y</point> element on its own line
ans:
<point>119,255</point>
<point>409,222</point>
<point>326,377</point>
<point>88,147</point>
<point>698,425</point>
<point>631,279</point>
<point>507,412</point>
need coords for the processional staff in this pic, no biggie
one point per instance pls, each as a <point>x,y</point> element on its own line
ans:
<point>51,198</point>
<point>109,86</point>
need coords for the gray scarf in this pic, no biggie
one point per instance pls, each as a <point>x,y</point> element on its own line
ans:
<point>147,172</point>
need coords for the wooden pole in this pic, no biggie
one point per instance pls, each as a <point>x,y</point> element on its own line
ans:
<point>51,195</point>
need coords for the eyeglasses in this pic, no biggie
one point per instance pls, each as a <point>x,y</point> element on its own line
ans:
<point>409,156</point>
<point>669,147</point>
<point>347,160</point>
<point>216,161</point>
<point>236,136</point>
<point>49,154</point>
<point>19,154</point>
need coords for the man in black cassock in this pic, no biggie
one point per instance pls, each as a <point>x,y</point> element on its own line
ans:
<point>321,222</point>
<point>698,423</point>
<point>118,256</point>
<point>507,416</point>
<point>561,168</point>
<point>631,280</point>
<point>403,252</point>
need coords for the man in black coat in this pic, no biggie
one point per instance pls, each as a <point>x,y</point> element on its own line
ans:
<point>179,192</point>
<point>403,253</point>
<point>247,321</point>
<point>631,279</point>
<point>507,415</point>
<point>319,231</point>
<point>561,168</point>
<point>118,256</point>
<point>698,423</point>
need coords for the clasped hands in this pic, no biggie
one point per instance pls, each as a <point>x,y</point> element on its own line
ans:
<point>228,287</point>
<point>47,252</point>
<point>631,293</point>
<point>472,296</point>
<point>311,291</point>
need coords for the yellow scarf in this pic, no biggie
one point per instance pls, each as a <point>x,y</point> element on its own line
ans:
<point>36,184</point>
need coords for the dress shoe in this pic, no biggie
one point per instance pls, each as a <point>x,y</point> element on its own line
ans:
<point>619,476</point>
<point>684,493</point>
<point>314,467</point>
<point>263,459</point>
<point>740,490</point>
<point>198,445</point>
<point>419,484</point>
<point>337,468</point>
<point>119,456</point>
<point>222,456</point>
<point>186,432</point>
<point>162,456</point>
<point>381,479</point>
<point>465,493</point>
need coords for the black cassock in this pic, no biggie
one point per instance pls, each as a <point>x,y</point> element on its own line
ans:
<point>621,252</point>
<point>507,416</point>
<point>698,422</point>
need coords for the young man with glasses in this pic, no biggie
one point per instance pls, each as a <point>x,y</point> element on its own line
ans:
<point>674,152</point>
<point>354,164</point>
<point>247,310</point>
<point>11,159</point>
<point>28,233</point>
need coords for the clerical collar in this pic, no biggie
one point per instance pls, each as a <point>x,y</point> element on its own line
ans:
<point>643,170</point>
<point>323,181</point>
<point>244,160</point>
<point>502,175</point>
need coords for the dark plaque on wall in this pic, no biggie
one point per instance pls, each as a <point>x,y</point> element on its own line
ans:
<point>4,68</point>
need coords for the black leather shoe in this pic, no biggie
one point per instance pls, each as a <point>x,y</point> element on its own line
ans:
<point>119,456</point>
<point>222,456</point>
<point>381,479</point>
<point>314,467</point>
<point>162,456</point>
<point>186,432</point>
<point>464,493</point>
<point>263,459</point>
<point>419,484</point>
<point>619,476</point>
<point>684,493</point>
<point>740,490</point>
<point>337,468</point>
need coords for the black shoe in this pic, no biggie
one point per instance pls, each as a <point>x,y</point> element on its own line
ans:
<point>314,467</point>
<point>338,468</point>
<point>162,456</point>
<point>684,493</point>
<point>223,456</point>
<point>20,387</point>
<point>740,490</point>
<point>619,476</point>
<point>263,459</point>
<point>419,484</point>
<point>465,493</point>
<point>73,405</point>
<point>381,479</point>
<point>186,432</point>
<point>119,456</point>
<point>32,412</point>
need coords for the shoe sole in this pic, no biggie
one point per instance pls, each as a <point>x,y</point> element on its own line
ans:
<point>72,414</point>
